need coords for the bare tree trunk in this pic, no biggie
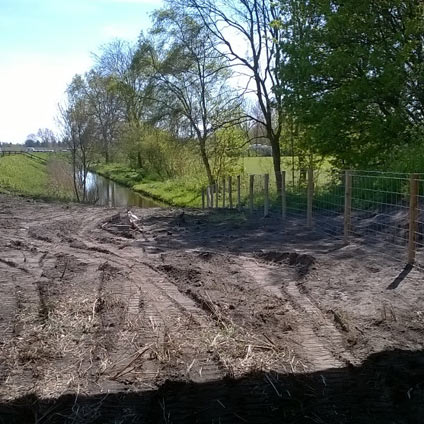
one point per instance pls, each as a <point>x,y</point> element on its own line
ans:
<point>202,143</point>
<point>74,170</point>
<point>276,160</point>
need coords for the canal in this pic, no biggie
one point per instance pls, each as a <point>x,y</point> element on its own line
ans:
<point>105,192</point>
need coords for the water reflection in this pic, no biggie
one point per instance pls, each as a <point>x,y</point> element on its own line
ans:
<point>105,192</point>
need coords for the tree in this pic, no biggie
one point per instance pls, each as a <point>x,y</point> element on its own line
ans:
<point>46,137</point>
<point>131,84</point>
<point>250,23</point>
<point>354,75</point>
<point>79,134</point>
<point>191,77</point>
<point>105,105</point>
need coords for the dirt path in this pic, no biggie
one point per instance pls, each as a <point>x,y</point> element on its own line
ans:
<point>198,318</point>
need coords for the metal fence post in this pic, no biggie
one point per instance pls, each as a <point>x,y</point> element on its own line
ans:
<point>266,195</point>
<point>348,206</point>
<point>413,215</point>
<point>310,197</point>
<point>203,198</point>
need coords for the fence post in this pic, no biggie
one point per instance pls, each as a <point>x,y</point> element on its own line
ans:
<point>413,215</point>
<point>348,206</point>
<point>310,197</point>
<point>230,191</point>
<point>283,195</point>
<point>251,186</point>
<point>223,191</point>
<point>211,188</point>
<point>216,195</point>
<point>203,198</point>
<point>239,192</point>
<point>266,195</point>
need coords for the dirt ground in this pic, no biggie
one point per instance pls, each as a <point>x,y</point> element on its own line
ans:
<point>196,317</point>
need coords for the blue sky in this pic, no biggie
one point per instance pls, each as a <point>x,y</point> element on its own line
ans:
<point>43,43</point>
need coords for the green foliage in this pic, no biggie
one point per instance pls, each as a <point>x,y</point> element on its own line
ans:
<point>354,74</point>
<point>182,192</point>
<point>225,149</point>
<point>121,174</point>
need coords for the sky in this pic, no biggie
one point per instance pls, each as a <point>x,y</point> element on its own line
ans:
<point>43,43</point>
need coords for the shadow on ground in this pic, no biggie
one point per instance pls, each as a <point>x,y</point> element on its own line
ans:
<point>231,232</point>
<point>387,388</point>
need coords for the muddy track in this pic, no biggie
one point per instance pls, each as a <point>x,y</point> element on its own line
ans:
<point>182,310</point>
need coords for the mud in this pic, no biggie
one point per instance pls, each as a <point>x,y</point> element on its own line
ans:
<point>193,317</point>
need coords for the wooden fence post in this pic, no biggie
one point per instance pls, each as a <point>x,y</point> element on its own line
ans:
<point>310,197</point>
<point>230,191</point>
<point>283,195</point>
<point>413,215</point>
<point>203,198</point>
<point>216,195</point>
<point>266,195</point>
<point>348,206</point>
<point>251,186</point>
<point>239,192</point>
<point>211,192</point>
<point>223,191</point>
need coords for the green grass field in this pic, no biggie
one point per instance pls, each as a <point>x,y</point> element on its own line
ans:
<point>20,174</point>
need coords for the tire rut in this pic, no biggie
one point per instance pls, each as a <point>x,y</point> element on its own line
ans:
<point>322,350</point>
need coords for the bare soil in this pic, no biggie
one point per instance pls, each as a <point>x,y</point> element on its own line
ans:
<point>196,317</point>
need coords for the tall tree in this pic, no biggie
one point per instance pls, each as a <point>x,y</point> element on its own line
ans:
<point>191,77</point>
<point>79,134</point>
<point>105,106</point>
<point>354,75</point>
<point>247,37</point>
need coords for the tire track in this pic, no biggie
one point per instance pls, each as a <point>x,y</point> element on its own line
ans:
<point>324,350</point>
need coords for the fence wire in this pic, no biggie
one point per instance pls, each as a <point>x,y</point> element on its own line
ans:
<point>369,207</point>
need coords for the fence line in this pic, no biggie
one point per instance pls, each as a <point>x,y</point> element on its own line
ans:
<point>384,210</point>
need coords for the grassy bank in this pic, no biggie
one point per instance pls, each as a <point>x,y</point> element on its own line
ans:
<point>22,175</point>
<point>185,191</point>
<point>181,192</point>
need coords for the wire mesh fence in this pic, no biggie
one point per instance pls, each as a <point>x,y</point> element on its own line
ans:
<point>382,210</point>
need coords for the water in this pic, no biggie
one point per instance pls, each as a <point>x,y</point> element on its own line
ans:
<point>105,192</point>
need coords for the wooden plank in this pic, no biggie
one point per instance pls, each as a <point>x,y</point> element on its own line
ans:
<point>348,206</point>
<point>413,215</point>
<point>266,195</point>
